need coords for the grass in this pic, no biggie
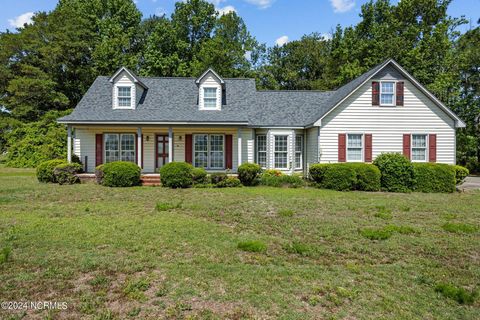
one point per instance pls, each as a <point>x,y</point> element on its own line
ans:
<point>252,246</point>
<point>460,228</point>
<point>460,295</point>
<point>110,255</point>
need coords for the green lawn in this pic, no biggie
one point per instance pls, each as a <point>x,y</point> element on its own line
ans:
<point>150,252</point>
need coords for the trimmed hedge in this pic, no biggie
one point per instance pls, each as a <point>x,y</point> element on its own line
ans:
<point>248,173</point>
<point>120,174</point>
<point>398,174</point>
<point>317,171</point>
<point>66,173</point>
<point>460,174</point>
<point>199,176</point>
<point>434,177</point>
<point>230,182</point>
<point>45,170</point>
<point>177,175</point>
<point>339,176</point>
<point>218,177</point>
<point>368,176</point>
<point>287,181</point>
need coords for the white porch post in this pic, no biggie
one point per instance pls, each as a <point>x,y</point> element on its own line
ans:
<point>170,144</point>
<point>293,144</point>
<point>69,144</point>
<point>239,146</point>
<point>139,146</point>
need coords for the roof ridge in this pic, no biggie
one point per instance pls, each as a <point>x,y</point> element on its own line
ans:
<point>301,90</point>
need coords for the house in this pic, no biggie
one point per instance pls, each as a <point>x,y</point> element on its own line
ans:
<point>218,123</point>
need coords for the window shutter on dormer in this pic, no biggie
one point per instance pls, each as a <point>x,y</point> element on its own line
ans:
<point>400,93</point>
<point>375,93</point>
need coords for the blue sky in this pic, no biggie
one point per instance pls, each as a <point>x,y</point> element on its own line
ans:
<point>270,21</point>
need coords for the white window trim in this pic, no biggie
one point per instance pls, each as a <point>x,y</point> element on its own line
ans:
<point>266,150</point>
<point>218,105</point>
<point>119,134</point>
<point>132,96</point>
<point>363,147</point>
<point>295,153</point>
<point>394,99</point>
<point>209,167</point>
<point>287,152</point>
<point>426,147</point>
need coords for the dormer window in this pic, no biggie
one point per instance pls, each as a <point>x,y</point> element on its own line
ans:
<point>124,97</point>
<point>210,98</point>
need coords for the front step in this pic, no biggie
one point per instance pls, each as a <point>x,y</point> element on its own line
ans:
<point>150,180</point>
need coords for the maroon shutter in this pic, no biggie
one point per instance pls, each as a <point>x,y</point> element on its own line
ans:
<point>368,147</point>
<point>229,151</point>
<point>98,149</point>
<point>432,147</point>
<point>375,93</point>
<point>400,89</point>
<point>406,145</point>
<point>342,147</point>
<point>188,148</point>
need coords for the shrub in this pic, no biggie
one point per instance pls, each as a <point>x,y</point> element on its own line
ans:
<point>368,176</point>
<point>45,170</point>
<point>339,176</point>
<point>121,174</point>
<point>460,174</point>
<point>177,175</point>
<point>229,183</point>
<point>460,295</point>
<point>397,172</point>
<point>317,171</point>
<point>248,173</point>
<point>4,255</point>
<point>252,246</point>
<point>218,177</point>
<point>199,176</point>
<point>99,174</point>
<point>66,173</point>
<point>272,172</point>
<point>376,234</point>
<point>293,181</point>
<point>434,177</point>
<point>459,228</point>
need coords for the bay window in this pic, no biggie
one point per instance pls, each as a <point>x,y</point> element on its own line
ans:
<point>262,150</point>
<point>354,147</point>
<point>209,151</point>
<point>419,147</point>
<point>119,147</point>
<point>281,152</point>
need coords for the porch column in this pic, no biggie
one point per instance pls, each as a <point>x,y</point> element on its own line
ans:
<point>239,146</point>
<point>139,146</point>
<point>170,144</point>
<point>293,144</point>
<point>69,144</point>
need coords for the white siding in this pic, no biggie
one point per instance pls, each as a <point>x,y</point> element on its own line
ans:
<point>387,124</point>
<point>210,81</point>
<point>312,145</point>
<point>124,80</point>
<point>248,145</point>
<point>84,146</point>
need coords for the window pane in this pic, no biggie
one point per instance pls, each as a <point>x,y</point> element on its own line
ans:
<point>200,146</point>
<point>281,152</point>
<point>386,99</point>
<point>124,92</point>
<point>387,87</point>
<point>355,147</point>
<point>281,143</point>
<point>216,151</point>
<point>210,98</point>
<point>280,160</point>
<point>354,154</point>
<point>262,159</point>
<point>419,141</point>
<point>354,140</point>
<point>262,143</point>
<point>298,160</point>
<point>298,143</point>
<point>210,92</point>
<point>124,102</point>
<point>111,148</point>
<point>127,147</point>
<point>418,154</point>
<point>210,103</point>
<point>201,159</point>
<point>201,142</point>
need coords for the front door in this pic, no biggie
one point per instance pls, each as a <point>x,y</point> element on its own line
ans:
<point>162,150</point>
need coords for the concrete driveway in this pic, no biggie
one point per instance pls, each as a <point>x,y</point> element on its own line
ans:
<point>471,183</point>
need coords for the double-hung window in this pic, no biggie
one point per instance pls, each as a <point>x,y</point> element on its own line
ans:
<point>354,147</point>
<point>387,93</point>
<point>281,152</point>
<point>124,95</point>
<point>298,152</point>
<point>209,151</point>
<point>262,150</point>
<point>419,147</point>
<point>210,98</point>
<point>119,147</point>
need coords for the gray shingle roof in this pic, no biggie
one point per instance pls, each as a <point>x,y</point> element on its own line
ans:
<point>176,100</point>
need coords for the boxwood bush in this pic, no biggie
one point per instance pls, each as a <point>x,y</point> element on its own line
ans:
<point>218,177</point>
<point>434,177</point>
<point>177,175</point>
<point>66,173</point>
<point>368,176</point>
<point>99,174</point>
<point>45,170</point>
<point>230,182</point>
<point>248,173</point>
<point>283,180</point>
<point>339,176</point>
<point>397,172</point>
<point>317,171</point>
<point>121,174</point>
<point>460,174</point>
<point>199,176</point>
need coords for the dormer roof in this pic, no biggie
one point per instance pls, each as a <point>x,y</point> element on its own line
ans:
<point>210,70</point>
<point>135,78</point>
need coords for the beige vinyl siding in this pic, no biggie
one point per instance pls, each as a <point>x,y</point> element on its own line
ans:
<point>123,79</point>
<point>387,124</point>
<point>210,81</point>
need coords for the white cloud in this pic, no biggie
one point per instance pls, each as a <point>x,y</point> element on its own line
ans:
<point>216,2</point>
<point>327,36</point>
<point>342,5</point>
<point>160,12</point>
<point>281,41</point>
<point>225,10</point>
<point>262,4</point>
<point>19,21</point>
